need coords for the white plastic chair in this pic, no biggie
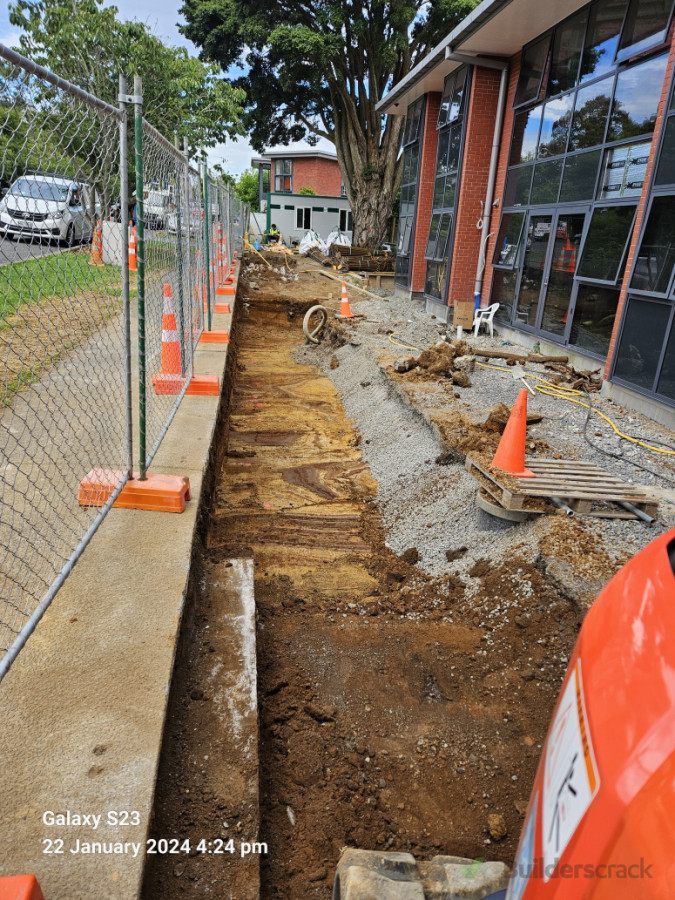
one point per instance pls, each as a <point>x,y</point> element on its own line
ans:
<point>484,317</point>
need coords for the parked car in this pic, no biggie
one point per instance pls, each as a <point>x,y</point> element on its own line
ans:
<point>195,222</point>
<point>48,207</point>
<point>157,206</point>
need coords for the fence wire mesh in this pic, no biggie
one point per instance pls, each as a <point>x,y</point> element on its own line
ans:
<point>69,268</point>
<point>62,353</point>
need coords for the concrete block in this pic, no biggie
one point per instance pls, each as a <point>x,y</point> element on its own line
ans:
<point>364,884</point>
<point>454,878</point>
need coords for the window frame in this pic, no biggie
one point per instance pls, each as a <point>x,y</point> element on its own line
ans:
<point>279,175</point>
<point>519,243</point>
<point>347,216</point>
<point>301,212</point>
<point>645,392</point>
<point>621,267</point>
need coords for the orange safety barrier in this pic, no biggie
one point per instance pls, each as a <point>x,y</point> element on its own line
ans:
<point>216,336</point>
<point>20,887</point>
<point>159,493</point>
<point>510,455</point>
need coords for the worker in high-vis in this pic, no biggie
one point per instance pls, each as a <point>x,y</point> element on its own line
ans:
<point>273,235</point>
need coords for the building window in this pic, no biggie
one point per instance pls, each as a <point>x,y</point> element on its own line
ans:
<point>283,172</point>
<point>411,145</point>
<point>346,220</point>
<point>343,188</point>
<point>303,217</point>
<point>585,112</point>
<point>448,162</point>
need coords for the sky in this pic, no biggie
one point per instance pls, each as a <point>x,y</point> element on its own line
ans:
<point>162,17</point>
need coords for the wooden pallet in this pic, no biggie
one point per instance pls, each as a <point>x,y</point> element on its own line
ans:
<point>583,486</point>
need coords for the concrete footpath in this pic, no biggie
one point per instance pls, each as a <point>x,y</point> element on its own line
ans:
<point>84,705</point>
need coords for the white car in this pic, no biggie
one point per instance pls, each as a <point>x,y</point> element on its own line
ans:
<point>48,207</point>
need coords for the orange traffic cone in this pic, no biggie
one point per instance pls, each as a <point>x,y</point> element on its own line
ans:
<point>20,887</point>
<point>96,255</point>
<point>345,311</point>
<point>133,267</point>
<point>510,455</point>
<point>170,379</point>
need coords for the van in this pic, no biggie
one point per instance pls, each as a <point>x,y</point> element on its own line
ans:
<point>48,207</point>
<point>157,207</point>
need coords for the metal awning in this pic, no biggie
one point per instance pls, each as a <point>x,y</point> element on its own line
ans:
<point>496,28</point>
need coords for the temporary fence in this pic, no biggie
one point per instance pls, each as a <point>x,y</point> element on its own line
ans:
<point>96,219</point>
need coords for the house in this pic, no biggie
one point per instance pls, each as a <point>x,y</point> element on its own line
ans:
<point>283,173</point>
<point>539,173</point>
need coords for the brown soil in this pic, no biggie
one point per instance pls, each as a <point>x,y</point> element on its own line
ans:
<point>396,711</point>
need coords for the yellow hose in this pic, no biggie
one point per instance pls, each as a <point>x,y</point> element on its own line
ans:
<point>396,343</point>
<point>562,392</point>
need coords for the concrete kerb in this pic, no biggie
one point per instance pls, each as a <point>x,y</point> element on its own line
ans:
<point>84,705</point>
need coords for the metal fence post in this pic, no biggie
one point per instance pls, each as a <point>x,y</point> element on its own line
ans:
<point>179,265</point>
<point>207,239</point>
<point>188,219</point>
<point>124,221</point>
<point>140,232</point>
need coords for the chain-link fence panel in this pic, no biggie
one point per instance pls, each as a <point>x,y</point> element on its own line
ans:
<point>196,270</point>
<point>164,308</point>
<point>62,337</point>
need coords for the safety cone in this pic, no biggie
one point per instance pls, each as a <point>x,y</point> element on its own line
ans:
<point>96,255</point>
<point>133,267</point>
<point>169,380</point>
<point>20,887</point>
<point>510,455</point>
<point>345,311</point>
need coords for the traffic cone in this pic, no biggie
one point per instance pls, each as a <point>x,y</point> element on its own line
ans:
<point>20,887</point>
<point>345,311</point>
<point>510,455</point>
<point>170,379</point>
<point>133,267</point>
<point>96,255</point>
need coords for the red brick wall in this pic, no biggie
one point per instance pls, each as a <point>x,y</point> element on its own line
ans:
<point>425,191</point>
<point>500,181</point>
<point>473,184</point>
<point>642,205</point>
<point>323,175</point>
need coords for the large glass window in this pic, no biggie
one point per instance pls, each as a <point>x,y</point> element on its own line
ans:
<point>408,201</point>
<point>645,27</point>
<point>665,174</point>
<point>448,159</point>
<point>532,68</point>
<point>509,238</point>
<point>525,136</point>
<point>590,114</point>
<point>555,126</point>
<point>606,242</point>
<point>624,171</point>
<point>567,44</point>
<point>653,266</point>
<point>594,315</point>
<point>602,37</point>
<point>546,182</point>
<point>636,98</point>
<point>641,342</point>
<point>581,172</point>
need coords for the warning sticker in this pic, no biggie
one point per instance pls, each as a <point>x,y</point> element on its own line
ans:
<point>570,773</point>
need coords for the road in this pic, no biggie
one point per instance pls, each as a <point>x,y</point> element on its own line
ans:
<point>12,250</point>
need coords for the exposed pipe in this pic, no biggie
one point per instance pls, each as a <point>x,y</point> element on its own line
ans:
<point>636,512</point>
<point>503,66</point>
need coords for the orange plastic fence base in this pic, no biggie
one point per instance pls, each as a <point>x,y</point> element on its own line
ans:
<point>160,493</point>
<point>20,887</point>
<point>225,290</point>
<point>222,309</point>
<point>216,336</point>
<point>199,386</point>
<point>203,386</point>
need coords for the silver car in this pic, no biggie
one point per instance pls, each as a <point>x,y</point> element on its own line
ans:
<point>48,207</point>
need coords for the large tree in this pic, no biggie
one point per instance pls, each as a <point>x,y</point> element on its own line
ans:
<point>319,67</point>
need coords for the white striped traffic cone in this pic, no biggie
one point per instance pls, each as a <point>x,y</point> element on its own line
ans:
<point>345,311</point>
<point>170,379</point>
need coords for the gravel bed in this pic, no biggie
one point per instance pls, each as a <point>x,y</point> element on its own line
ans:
<point>433,507</point>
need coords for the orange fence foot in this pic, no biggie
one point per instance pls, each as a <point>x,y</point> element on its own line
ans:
<point>20,887</point>
<point>225,290</point>
<point>203,386</point>
<point>160,493</point>
<point>214,337</point>
<point>222,309</point>
<point>168,384</point>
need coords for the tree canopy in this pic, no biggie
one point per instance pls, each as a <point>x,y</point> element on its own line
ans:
<point>87,44</point>
<point>246,189</point>
<point>320,68</point>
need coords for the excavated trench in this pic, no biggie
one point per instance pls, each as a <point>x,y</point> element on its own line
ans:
<point>384,723</point>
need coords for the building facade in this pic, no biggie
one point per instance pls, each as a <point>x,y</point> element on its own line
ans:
<point>550,139</point>
<point>282,175</point>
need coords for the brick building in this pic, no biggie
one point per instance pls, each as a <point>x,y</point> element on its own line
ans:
<point>283,173</point>
<point>539,173</point>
